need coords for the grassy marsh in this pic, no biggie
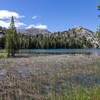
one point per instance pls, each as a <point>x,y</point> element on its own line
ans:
<point>50,77</point>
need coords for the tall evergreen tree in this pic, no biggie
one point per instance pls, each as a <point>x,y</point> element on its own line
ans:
<point>98,31</point>
<point>99,8</point>
<point>12,42</point>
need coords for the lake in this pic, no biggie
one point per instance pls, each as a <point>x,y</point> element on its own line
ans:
<point>60,50</point>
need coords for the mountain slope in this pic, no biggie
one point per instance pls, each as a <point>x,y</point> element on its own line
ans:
<point>2,30</point>
<point>79,35</point>
<point>87,34</point>
<point>32,31</point>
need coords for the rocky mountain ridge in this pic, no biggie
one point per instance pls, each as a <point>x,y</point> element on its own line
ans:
<point>30,31</point>
<point>88,34</point>
<point>76,34</point>
<point>33,31</point>
<point>80,33</point>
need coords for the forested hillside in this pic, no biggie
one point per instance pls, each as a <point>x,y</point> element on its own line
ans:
<point>77,37</point>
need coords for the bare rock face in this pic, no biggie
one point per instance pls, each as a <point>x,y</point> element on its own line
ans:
<point>32,31</point>
<point>89,35</point>
<point>2,30</point>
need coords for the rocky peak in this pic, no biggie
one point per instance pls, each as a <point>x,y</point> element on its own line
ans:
<point>78,27</point>
<point>88,34</point>
<point>2,30</point>
<point>32,31</point>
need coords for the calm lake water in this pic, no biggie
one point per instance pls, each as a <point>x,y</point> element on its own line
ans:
<point>58,51</point>
<point>61,50</point>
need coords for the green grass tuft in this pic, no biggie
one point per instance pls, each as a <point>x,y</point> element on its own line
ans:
<point>81,93</point>
<point>3,55</point>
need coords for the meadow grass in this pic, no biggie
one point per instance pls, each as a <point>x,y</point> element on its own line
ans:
<point>50,77</point>
<point>80,93</point>
<point>3,55</point>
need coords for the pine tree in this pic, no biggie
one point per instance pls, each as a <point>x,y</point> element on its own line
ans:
<point>12,43</point>
<point>98,31</point>
<point>99,8</point>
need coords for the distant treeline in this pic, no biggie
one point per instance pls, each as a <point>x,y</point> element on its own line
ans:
<point>2,41</point>
<point>59,40</point>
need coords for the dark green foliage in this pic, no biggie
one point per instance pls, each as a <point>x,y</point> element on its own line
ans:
<point>53,41</point>
<point>2,42</point>
<point>99,8</point>
<point>12,42</point>
<point>98,31</point>
<point>58,40</point>
<point>62,40</point>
